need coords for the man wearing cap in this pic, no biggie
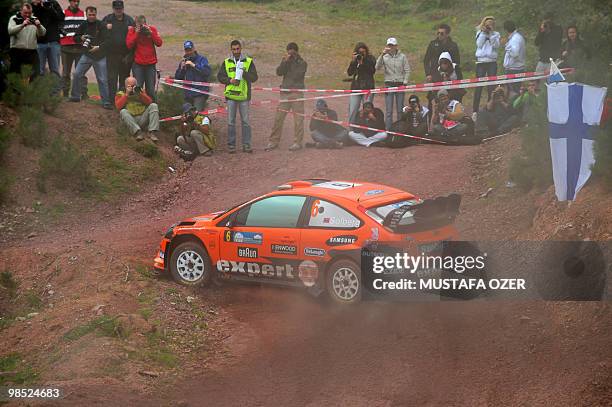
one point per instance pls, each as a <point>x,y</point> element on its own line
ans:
<point>194,67</point>
<point>397,73</point>
<point>137,110</point>
<point>448,118</point>
<point>196,137</point>
<point>324,133</point>
<point>119,58</point>
<point>372,117</point>
<point>293,69</point>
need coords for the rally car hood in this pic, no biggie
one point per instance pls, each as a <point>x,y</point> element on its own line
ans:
<point>203,219</point>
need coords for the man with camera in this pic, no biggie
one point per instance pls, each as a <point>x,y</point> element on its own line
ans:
<point>487,44</point>
<point>70,50</point>
<point>499,117</point>
<point>194,67</point>
<point>51,17</point>
<point>137,110</point>
<point>119,58</point>
<point>516,54</point>
<point>196,136</point>
<point>143,39</point>
<point>412,122</point>
<point>448,119</point>
<point>362,69</point>
<point>373,117</point>
<point>548,41</point>
<point>324,133</point>
<point>93,36</point>
<point>397,73</point>
<point>528,101</point>
<point>293,70</point>
<point>24,30</point>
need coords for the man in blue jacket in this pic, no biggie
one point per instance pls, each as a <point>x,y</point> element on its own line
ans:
<point>194,67</point>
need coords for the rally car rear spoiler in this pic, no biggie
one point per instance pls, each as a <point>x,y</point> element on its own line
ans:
<point>429,214</point>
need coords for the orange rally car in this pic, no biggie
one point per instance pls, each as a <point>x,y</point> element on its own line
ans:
<point>307,234</point>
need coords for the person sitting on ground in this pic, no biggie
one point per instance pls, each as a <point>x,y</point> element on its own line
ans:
<point>137,110</point>
<point>527,101</point>
<point>412,122</point>
<point>369,116</point>
<point>194,67</point>
<point>324,133</point>
<point>448,119</point>
<point>196,136</point>
<point>446,72</point>
<point>499,117</point>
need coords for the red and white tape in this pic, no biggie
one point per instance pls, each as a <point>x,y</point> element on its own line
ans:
<point>220,110</point>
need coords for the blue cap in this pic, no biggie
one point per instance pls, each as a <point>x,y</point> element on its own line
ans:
<point>188,44</point>
<point>187,107</point>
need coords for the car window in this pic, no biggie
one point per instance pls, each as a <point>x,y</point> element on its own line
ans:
<point>328,215</point>
<point>277,211</point>
<point>379,213</point>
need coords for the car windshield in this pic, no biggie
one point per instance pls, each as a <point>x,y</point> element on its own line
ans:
<point>229,210</point>
<point>379,213</point>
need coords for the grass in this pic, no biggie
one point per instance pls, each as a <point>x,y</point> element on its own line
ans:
<point>8,282</point>
<point>103,326</point>
<point>13,362</point>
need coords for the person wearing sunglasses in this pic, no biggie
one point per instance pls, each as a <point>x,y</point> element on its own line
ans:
<point>442,43</point>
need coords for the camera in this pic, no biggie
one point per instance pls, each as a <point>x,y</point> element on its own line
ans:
<point>19,19</point>
<point>86,41</point>
<point>137,90</point>
<point>145,30</point>
<point>359,57</point>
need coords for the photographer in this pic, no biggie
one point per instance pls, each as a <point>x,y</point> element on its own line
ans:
<point>515,55</point>
<point>325,134</point>
<point>119,59</point>
<point>529,100</point>
<point>446,72</point>
<point>51,17</point>
<point>362,69</point>
<point>143,39</point>
<point>487,44</point>
<point>24,30</point>
<point>499,117</point>
<point>373,117</point>
<point>196,136</point>
<point>293,69</point>
<point>397,73</point>
<point>92,35</point>
<point>194,67</point>
<point>413,122</point>
<point>548,42</point>
<point>448,119</point>
<point>137,110</point>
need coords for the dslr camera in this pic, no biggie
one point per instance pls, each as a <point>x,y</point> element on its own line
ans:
<point>145,30</point>
<point>86,41</point>
<point>19,19</point>
<point>359,57</point>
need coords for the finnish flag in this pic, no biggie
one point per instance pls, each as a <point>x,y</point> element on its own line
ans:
<point>574,109</point>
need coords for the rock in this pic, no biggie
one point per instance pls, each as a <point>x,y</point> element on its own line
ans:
<point>190,299</point>
<point>20,319</point>
<point>524,318</point>
<point>32,315</point>
<point>31,235</point>
<point>50,292</point>
<point>148,373</point>
<point>98,308</point>
<point>486,194</point>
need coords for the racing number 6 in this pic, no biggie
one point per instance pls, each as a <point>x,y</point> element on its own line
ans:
<point>315,209</point>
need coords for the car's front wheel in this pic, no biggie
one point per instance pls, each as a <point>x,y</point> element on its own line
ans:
<point>190,264</point>
<point>344,282</point>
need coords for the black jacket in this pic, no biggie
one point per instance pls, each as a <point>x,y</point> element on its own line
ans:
<point>250,76</point>
<point>97,30</point>
<point>549,43</point>
<point>327,128</point>
<point>51,16</point>
<point>433,52</point>
<point>293,72</point>
<point>117,34</point>
<point>377,123</point>
<point>362,73</point>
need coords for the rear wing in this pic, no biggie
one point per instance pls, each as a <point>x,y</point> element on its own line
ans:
<point>429,214</point>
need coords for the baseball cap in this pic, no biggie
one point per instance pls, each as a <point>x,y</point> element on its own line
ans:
<point>118,4</point>
<point>187,107</point>
<point>320,104</point>
<point>188,44</point>
<point>413,98</point>
<point>392,41</point>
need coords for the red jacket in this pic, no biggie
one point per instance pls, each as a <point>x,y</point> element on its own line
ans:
<point>71,23</point>
<point>144,46</point>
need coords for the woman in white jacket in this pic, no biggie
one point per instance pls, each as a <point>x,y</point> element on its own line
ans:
<point>487,44</point>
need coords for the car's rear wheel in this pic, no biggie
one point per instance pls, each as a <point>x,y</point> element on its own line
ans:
<point>190,264</point>
<point>344,282</point>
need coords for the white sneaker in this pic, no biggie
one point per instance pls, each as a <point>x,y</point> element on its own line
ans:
<point>474,116</point>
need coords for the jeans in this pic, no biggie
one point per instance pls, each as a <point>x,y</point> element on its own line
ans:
<point>145,76</point>
<point>117,70</point>
<point>328,140</point>
<point>232,108</point>
<point>355,104</point>
<point>51,52</point>
<point>483,69</point>
<point>149,118</point>
<point>86,62</point>
<point>69,59</point>
<point>390,97</point>
<point>516,86</point>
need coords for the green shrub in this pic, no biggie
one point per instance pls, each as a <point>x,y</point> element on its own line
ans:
<point>603,155</point>
<point>147,150</point>
<point>32,129</point>
<point>8,282</point>
<point>170,101</point>
<point>5,138</point>
<point>62,162</point>
<point>41,93</point>
<point>5,184</point>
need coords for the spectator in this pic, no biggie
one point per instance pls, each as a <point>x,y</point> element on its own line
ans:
<point>413,122</point>
<point>143,39</point>
<point>24,30</point>
<point>137,110</point>
<point>499,117</point>
<point>70,49</point>
<point>515,56</point>
<point>324,133</point>
<point>196,136</point>
<point>527,101</point>
<point>548,42</point>
<point>293,69</point>
<point>442,43</point>
<point>448,118</point>
<point>574,51</point>
<point>373,117</point>
<point>119,58</point>
<point>194,67</point>
<point>487,44</point>
<point>237,73</point>
<point>93,36</point>
<point>397,73</point>
<point>51,17</point>
<point>362,69</point>
<point>447,71</point>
